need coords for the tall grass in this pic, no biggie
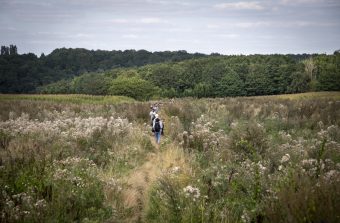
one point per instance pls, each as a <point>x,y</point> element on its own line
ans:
<point>251,159</point>
<point>68,98</point>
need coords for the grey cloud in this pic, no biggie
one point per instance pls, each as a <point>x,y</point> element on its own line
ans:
<point>245,26</point>
<point>241,5</point>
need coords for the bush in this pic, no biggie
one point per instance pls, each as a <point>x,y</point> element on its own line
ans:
<point>134,87</point>
<point>59,87</point>
<point>94,84</point>
<point>304,199</point>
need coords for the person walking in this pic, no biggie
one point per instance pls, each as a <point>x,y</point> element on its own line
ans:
<point>156,107</point>
<point>152,115</point>
<point>157,128</point>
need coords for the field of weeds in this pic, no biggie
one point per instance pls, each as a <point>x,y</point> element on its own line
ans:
<point>258,159</point>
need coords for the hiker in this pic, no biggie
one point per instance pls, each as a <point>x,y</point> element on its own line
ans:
<point>152,114</point>
<point>157,128</point>
<point>156,107</point>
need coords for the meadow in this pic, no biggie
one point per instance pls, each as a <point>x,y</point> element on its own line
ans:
<point>244,159</point>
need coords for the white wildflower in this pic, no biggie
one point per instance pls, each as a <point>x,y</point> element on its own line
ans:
<point>285,158</point>
<point>191,191</point>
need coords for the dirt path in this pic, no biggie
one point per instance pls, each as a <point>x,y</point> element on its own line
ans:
<point>142,178</point>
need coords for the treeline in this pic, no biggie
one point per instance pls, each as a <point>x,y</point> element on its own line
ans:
<point>213,76</point>
<point>24,73</point>
<point>11,50</point>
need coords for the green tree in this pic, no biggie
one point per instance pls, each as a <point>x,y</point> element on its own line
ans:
<point>4,50</point>
<point>134,87</point>
<point>257,83</point>
<point>299,82</point>
<point>231,85</point>
<point>202,90</point>
<point>329,78</point>
<point>13,50</point>
<point>59,87</point>
<point>328,72</point>
<point>165,76</point>
<point>214,72</point>
<point>94,84</point>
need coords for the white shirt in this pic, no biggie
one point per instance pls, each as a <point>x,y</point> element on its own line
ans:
<point>152,114</point>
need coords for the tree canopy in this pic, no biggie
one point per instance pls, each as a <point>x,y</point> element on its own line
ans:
<point>136,73</point>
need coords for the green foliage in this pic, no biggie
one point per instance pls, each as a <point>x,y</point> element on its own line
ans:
<point>303,199</point>
<point>59,87</point>
<point>246,159</point>
<point>165,202</point>
<point>210,76</point>
<point>165,76</point>
<point>250,138</point>
<point>25,73</point>
<point>94,84</point>
<point>329,78</point>
<point>34,189</point>
<point>134,87</point>
<point>76,191</point>
<point>299,83</point>
<point>257,83</point>
<point>230,85</point>
<point>5,138</point>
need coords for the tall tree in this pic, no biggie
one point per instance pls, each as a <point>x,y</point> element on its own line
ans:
<point>231,85</point>
<point>4,50</point>
<point>310,68</point>
<point>13,50</point>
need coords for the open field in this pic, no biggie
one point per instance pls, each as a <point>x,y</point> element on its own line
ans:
<point>309,95</point>
<point>67,98</point>
<point>93,159</point>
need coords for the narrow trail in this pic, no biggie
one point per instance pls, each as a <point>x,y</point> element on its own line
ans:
<point>140,181</point>
<point>141,178</point>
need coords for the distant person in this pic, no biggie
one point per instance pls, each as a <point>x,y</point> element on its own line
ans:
<point>152,114</point>
<point>157,128</point>
<point>156,107</point>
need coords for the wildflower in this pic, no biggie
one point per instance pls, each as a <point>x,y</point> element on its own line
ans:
<point>175,170</point>
<point>322,134</point>
<point>321,125</point>
<point>332,175</point>
<point>261,167</point>
<point>40,204</point>
<point>192,191</point>
<point>10,204</point>
<point>245,217</point>
<point>233,124</point>
<point>285,158</point>
<point>309,162</point>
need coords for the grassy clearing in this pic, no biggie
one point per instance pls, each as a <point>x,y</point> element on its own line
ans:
<point>259,159</point>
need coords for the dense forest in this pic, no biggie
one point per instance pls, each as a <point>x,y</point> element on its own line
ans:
<point>144,75</point>
<point>24,73</point>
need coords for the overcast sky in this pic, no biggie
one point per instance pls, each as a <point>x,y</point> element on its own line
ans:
<point>223,26</point>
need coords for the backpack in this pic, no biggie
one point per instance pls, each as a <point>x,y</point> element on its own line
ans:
<point>157,127</point>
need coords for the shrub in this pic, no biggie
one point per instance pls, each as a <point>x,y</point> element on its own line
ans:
<point>304,199</point>
<point>134,87</point>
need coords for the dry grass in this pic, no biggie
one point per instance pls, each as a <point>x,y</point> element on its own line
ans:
<point>68,98</point>
<point>303,96</point>
<point>227,148</point>
<point>140,181</point>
